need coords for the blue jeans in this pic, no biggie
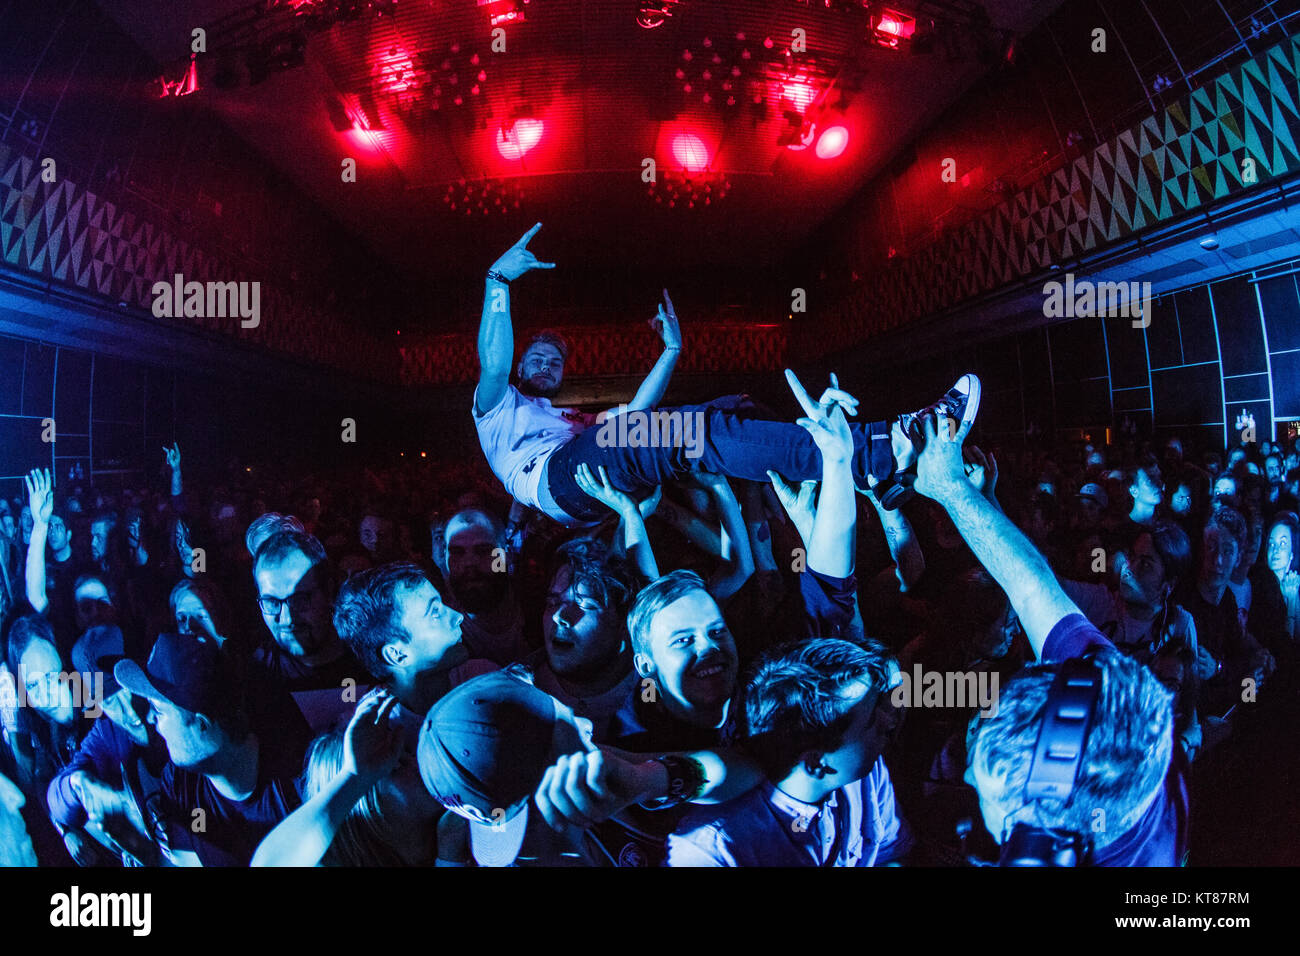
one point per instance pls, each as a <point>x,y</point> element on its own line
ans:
<point>736,443</point>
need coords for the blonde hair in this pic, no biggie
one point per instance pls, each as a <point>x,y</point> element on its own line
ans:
<point>360,839</point>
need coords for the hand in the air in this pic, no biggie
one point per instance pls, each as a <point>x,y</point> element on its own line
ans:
<point>517,260</point>
<point>40,494</point>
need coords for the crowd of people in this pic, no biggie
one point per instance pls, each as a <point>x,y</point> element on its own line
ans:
<point>702,661</point>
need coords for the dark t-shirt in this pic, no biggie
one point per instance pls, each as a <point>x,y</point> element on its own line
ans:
<point>60,581</point>
<point>229,831</point>
<point>1159,838</point>
<point>291,673</point>
<point>1219,631</point>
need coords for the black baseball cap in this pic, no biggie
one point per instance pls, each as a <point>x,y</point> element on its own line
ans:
<point>98,651</point>
<point>185,670</point>
<point>482,752</point>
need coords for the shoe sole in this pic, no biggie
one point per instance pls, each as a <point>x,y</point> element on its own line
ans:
<point>974,389</point>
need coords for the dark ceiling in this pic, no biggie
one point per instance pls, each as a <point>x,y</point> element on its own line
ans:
<point>609,94</point>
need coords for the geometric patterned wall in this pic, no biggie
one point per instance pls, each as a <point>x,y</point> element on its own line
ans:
<point>70,235</point>
<point>1170,164</point>
<point>594,350</point>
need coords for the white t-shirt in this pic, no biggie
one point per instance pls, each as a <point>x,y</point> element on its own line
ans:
<point>519,435</point>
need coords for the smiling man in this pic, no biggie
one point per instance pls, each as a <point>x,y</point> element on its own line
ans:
<point>687,663</point>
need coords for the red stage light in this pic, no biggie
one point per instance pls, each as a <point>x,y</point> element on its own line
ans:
<point>187,84</point>
<point>834,140</point>
<point>514,141</point>
<point>364,140</point>
<point>689,150</point>
<point>799,92</point>
<point>890,26</point>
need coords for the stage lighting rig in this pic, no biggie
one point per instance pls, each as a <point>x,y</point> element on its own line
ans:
<point>655,13</point>
<point>890,27</point>
<point>326,13</point>
<point>505,11</point>
<point>722,70</point>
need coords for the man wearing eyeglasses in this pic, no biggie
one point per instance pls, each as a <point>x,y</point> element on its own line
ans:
<point>295,592</point>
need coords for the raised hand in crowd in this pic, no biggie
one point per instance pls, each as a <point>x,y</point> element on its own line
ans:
<point>518,260</point>
<point>40,496</point>
<point>635,541</point>
<point>172,456</point>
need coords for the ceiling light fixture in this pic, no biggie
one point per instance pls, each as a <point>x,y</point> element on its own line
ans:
<point>889,27</point>
<point>504,11</point>
<point>834,140</point>
<point>516,139</point>
<point>690,152</point>
<point>652,14</point>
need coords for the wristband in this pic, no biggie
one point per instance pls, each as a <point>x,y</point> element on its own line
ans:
<point>686,781</point>
<point>493,274</point>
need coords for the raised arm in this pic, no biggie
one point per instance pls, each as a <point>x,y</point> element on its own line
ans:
<point>738,566</point>
<point>40,498</point>
<point>636,543</point>
<point>904,548</point>
<point>692,527</point>
<point>999,545</point>
<point>652,389</point>
<point>173,457</point>
<point>982,470</point>
<point>829,529</point>
<point>371,747</point>
<point>496,336</point>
